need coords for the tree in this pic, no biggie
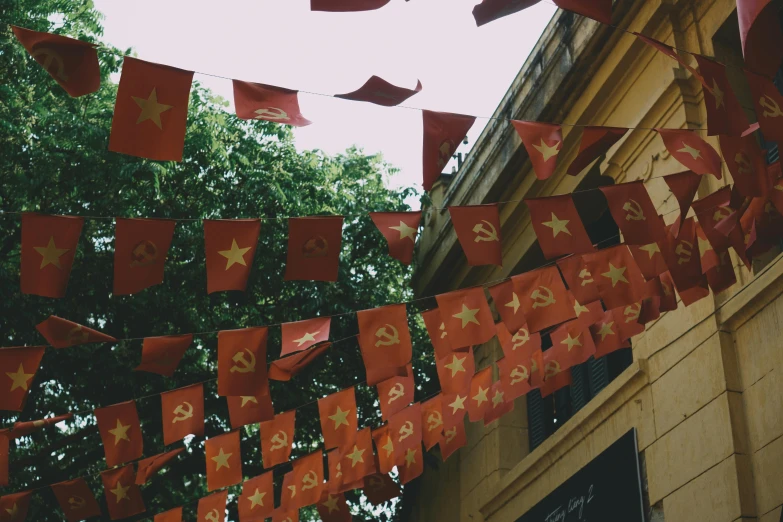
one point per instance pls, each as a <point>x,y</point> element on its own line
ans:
<point>55,160</point>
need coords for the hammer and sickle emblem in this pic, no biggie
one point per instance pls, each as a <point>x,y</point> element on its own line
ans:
<point>279,441</point>
<point>543,297</point>
<point>434,420</point>
<point>634,211</point>
<point>534,366</point>
<point>271,113</point>
<point>387,337</point>
<point>406,431</point>
<point>779,186</point>
<point>520,338</point>
<point>444,152</point>
<point>721,213</point>
<point>397,392</point>
<point>51,58</point>
<point>309,481</point>
<point>212,516</point>
<point>684,252</point>
<point>485,233</point>
<point>586,277</point>
<point>551,369</point>
<point>77,335</point>
<point>145,253</point>
<point>450,434</point>
<point>442,328</point>
<point>667,290</point>
<point>244,365</point>
<point>182,412</point>
<point>771,107</point>
<point>632,312</point>
<point>519,374</point>
<point>76,503</point>
<point>743,163</point>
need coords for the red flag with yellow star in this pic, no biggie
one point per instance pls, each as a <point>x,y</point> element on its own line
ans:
<point>411,464</point>
<point>467,317</point>
<point>301,335</point>
<point>380,92</point>
<point>595,142</point>
<point>212,508</point>
<point>490,10</point>
<point>256,101</point>
<point>443,133</point>
<point>150,114</point>
<point>333,508</point>
<point>581,282</point>
<point>61,333</point>
<point>123,496</point>
<point>478,402</point>
<point>151,465</point>
<point>606,335</point>
<point>689,149</point>
<point>230,246</point>
<point>558,227</point>
<point>586,315</point>
<point>48,249</point>
<point>314,248</point>
<point>543,142</point>
<point>13,507</point>
<point>76,500</point>
<point>455,371</point>
<point>183,413</point>
<point>162,355</point>
<point>242,362</point>
<point>514,377</point>
<point>304,485</point>
<point>499,404</point>
<point>634,213</point>
<point>22,429</point>
<point>396,393</point>
<point>71,63</point>
<point>140,250</point>
<point>400,230</point>
<point>257,500</point>
<point>246,409</point>
<point>338,418</point>
<point>649,259</point>
<point>120,432</point>
<point>380,488</point>
<point>574,343</point>
<point>286,368</point>
<point>336,484</point>
<point>724,113</point>
<point>508,305</point>
<point>478,231</point>
<point>619,280</point>
<point>761,35</point>
<point>19,365</point>
<point>709,258</point>
<point>358,460</point>
<point>277,438</point>
<point>747,164</point>
<point>172,515</point>
<point>224,461</point>
<point>384,443</point>
<point>432,421</point>
<point>280,515</point>
<point>454,409</point>
<point>346,5</point>
<point>405,429</point>
<point>544,298</point>
<point>385,342</point>
<point>436,329</point>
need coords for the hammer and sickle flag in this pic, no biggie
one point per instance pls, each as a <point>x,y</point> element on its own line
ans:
<point>595,142</point>
<point>385,446</point>
<point>334,508</point>
<point>71,63</point>
<point>478,231</point>
<point>230,246</point>
<point>380,92</point>
<point>162,355</point>
<point>357,460</point>
<point>150,114</point>
<point>22,429</point>
<point>212,508</point>
<point>683,259</point>
<point>520,345</point>
<point>761,35</point>
<point>183,413</point>
<point>544,298</point>
<point>581,282</point>
<point>725,115</point>
<point>120,432</point>
<point>454,438</point>
<point>400,230</point>
<point>303,486</point>
<point>151,465</point>
<point>277,438</point>
<point>76,500</point>
<point>514,378</point>
<point>711,210</point>
<point>769,105</point>
<point>301,335</point>
<point>256,101</point>
<point>443,133</point>
<point>257,500</point>
<point>14,507</point>
<point>687,147</point>
<point>339,6</point>
<point>478,402</point>
<point>396,393</point>
<point>634,213</point>
<point>432,421</point>
<point>242,362</point>
<point>543,142</point>
<point>380,488</point>
<point>436,329</point>
<point>508,305</point>
<point>314,248</point>
<point>499,404</point>
<point>172,515</point>
<point>619,280</point>
<point>385,342</point>
<point>48,249</point>
<point>18,367</point>
<point>406,430</point>
<point>140,250</point>
<point>747,164</point>
<point>62,333</point>
<point>123,496</point>
<point>338,418</point>
<point>467,317</point>
<point>286,368</point>
<point>558,227</point>
<point>224,461</point>
<point>558,377</point>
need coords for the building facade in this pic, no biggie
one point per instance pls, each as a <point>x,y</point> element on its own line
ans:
<point>703,385</point>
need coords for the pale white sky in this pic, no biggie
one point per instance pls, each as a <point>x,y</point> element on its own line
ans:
<point>463,68</point>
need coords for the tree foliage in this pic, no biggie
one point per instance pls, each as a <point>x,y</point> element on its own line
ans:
<point>54,159</point>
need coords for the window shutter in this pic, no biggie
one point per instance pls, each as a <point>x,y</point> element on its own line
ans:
<point>579,388</point>
<point>599,375</point>
<point>537,432</point>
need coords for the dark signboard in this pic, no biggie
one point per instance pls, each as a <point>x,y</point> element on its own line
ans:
<point>606,489</point>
